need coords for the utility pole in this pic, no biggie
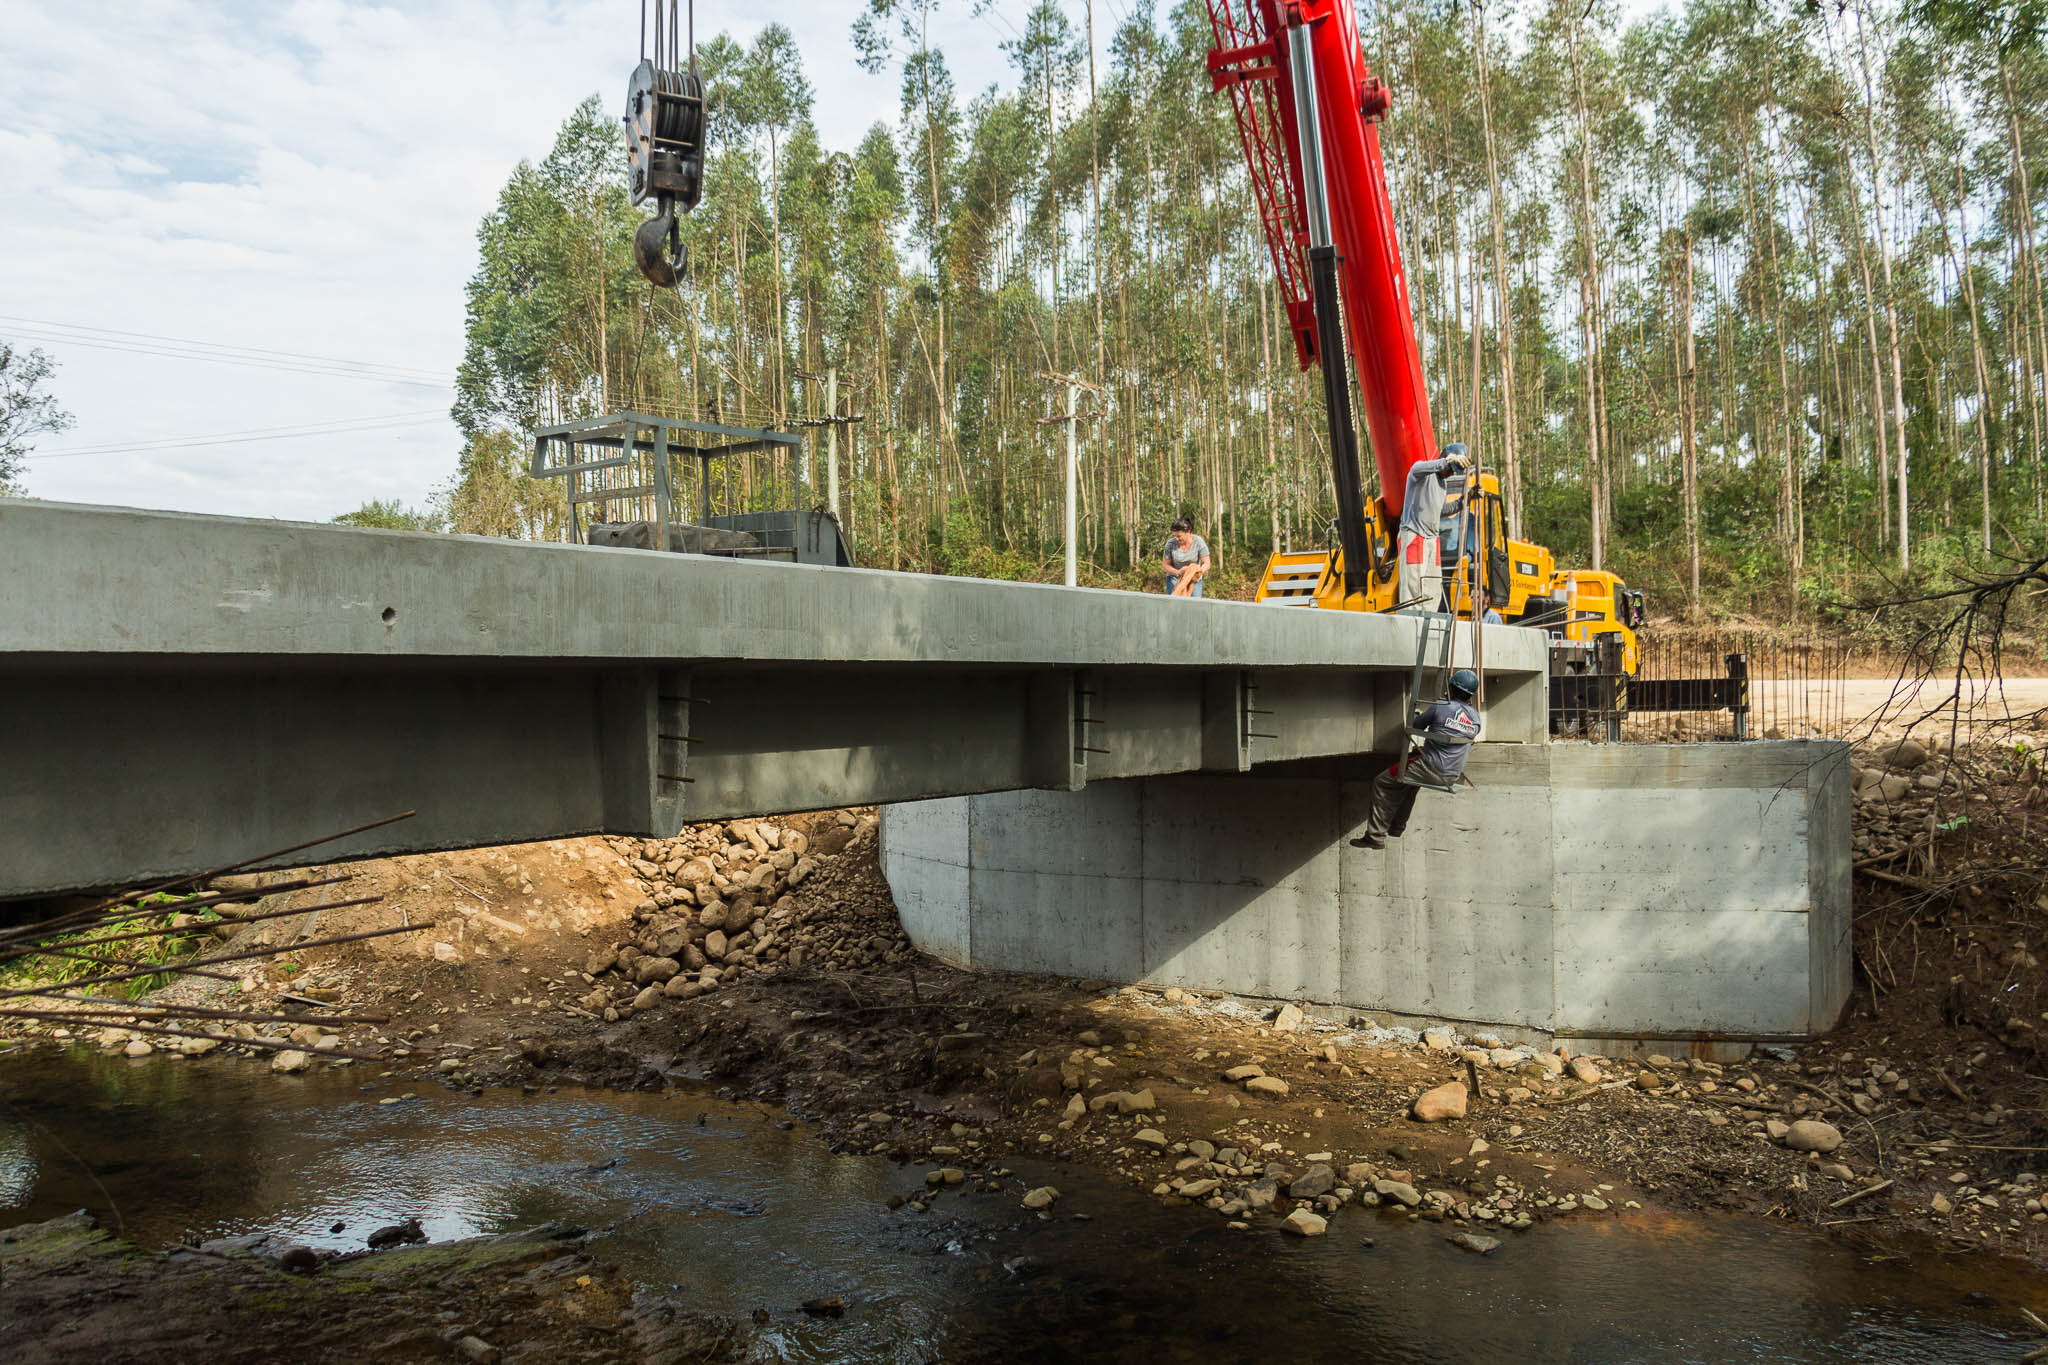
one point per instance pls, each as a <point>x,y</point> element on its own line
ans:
<point>832,442</point>
<point>832,421</point>
<point>1073,418</point>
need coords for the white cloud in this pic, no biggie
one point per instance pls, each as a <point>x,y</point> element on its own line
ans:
<point>308,177</point>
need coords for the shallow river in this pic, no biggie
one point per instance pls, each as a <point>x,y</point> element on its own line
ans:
<point>728,1210</point>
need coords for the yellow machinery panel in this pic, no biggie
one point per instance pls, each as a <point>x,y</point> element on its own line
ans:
<point>1523,582</point>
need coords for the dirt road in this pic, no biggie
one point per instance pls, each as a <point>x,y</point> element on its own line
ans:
<point>1857,708</point>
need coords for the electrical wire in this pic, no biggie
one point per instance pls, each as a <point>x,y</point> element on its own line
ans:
<point>342,427</point>
<point>142,343</point>
<point>326,372</point>
<point>263,351</point>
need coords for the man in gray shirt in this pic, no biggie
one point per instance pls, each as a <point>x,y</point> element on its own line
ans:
<point>1421,581</point>
<point>1452,726</point>
<point>1186,560</point>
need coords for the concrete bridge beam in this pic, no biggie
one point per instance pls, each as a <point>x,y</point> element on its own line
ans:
<point>181,692</point>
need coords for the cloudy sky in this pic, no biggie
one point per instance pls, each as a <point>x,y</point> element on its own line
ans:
<point>296,187</point>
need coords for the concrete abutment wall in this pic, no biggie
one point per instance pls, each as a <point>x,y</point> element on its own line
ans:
<point>1603,893</point>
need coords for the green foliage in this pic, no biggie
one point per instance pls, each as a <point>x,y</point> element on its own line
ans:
<point>493,495</point>
<point>392,516</point>
<point>74,957</point>
<point>26,411</point>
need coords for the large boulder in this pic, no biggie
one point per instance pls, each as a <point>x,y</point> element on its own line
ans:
<point>1447,1101</point>
<point>652,971</point>
<point>1906,755</point>
<point>1811,1135</point>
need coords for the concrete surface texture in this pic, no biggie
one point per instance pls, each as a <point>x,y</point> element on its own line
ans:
<point>188,691</point>
<point>1595,892</point>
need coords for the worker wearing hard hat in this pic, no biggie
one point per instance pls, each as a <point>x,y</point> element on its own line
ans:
<point>1421,585</point>
<point>1452,726</point>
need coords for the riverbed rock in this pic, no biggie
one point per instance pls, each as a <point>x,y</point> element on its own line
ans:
<point>1040,1198</point>
<point>397,1235</point>
<point>1316,1181</point>
<point>1473,1242</point>
<point>1907,754</point>
<point>1244,1073</point>
<point>1149,1137</point>
<point>1587,1071</point>
<point>299,1260</point>
<point>1400,1191</point>
<point>1447,1101</point>
<point>478,1351</point>
<point>742,913</point>
<point>1302,1223</point>
<point>649,996</point>
<point>1288,1019</point>
<point>715,944</point>
<point>652,971</point>
<point>1266,1085</point>
<point>1811,1135</point>
<point>290,1062</point>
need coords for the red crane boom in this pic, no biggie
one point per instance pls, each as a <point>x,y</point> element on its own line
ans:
<point>1314,159</point>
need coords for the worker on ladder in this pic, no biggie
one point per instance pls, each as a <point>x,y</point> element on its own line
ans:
<point>1422,513</point>
<point>1447,730</point>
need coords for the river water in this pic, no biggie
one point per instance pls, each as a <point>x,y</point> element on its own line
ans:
<point>728,1207</point>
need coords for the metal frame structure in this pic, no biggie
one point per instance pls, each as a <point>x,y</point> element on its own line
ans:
<point>644,444</point>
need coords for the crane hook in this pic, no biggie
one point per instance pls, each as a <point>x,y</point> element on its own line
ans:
<point>658,248</point>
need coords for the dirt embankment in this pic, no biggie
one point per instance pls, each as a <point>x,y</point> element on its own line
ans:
<point>765,957</point>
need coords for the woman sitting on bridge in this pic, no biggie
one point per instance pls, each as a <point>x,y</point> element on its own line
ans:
<point>1186,560</point>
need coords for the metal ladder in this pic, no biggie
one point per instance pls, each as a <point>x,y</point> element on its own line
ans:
<point>1411,771</point>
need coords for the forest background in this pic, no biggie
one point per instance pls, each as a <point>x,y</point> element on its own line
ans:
<point>1741,300</point>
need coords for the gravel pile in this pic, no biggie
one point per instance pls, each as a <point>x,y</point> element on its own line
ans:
<point>726,900</point>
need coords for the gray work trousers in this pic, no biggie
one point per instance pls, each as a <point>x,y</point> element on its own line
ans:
<point>1420,585</point>
<point>1393,801</point>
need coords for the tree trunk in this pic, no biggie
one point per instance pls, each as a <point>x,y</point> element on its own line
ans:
<point>1510,465</point>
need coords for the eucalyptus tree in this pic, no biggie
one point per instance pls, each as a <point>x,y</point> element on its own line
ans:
<point>900,31</point>
<point>27,410</point>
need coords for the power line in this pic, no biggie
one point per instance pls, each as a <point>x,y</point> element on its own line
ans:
<point>172,354</point>
<point>63,334</point>
<point>983,11</point>
<point>342,427</point>
<point>263,351</point>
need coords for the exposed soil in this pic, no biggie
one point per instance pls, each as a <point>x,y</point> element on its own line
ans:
<point>766,958</point>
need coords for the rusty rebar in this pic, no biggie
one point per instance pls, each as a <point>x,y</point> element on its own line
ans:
<point>111,979</point>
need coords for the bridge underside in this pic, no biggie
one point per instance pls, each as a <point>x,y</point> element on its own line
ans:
<point>183,692</point>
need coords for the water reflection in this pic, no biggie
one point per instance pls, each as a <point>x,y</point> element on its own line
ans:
<point>732,1212</point>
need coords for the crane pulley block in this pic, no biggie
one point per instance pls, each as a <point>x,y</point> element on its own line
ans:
<point>664,138</point>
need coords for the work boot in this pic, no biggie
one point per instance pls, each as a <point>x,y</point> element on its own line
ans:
<point>1368,840</point>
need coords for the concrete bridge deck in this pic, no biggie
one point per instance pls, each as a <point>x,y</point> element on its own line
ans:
<point>181,691</point>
